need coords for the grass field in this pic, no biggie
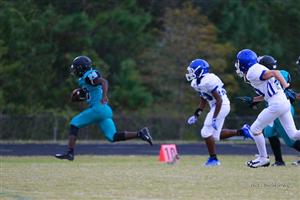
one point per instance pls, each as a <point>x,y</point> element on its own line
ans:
<point>144,177</point>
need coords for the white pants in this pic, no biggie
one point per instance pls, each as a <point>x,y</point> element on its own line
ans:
<point>280,110</point>
<point>207,129</point>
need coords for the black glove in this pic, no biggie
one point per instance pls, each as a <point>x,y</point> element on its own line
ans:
<point>248,101</point>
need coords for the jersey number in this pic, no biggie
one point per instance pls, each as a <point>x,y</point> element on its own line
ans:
<point>270,90</point>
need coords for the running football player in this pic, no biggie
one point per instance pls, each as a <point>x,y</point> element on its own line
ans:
<point>270,85</point>
<point>93,89</point>
<point>211,90</point>
<point>275,130</point>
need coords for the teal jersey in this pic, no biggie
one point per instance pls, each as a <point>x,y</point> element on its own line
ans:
<point>286,76</point>
<point>94,92</point>
<point>97,113</point>
<point>290,94</point>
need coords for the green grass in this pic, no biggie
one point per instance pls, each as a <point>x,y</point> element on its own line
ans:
<point>144,177</point>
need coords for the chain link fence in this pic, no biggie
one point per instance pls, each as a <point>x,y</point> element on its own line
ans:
<point>48,126</point>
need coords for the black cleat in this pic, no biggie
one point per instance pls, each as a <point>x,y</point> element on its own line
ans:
<point>144,134</point>
<point>278,164</point>
<point>67,156</point>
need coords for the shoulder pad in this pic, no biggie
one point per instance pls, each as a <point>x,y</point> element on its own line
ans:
<point>92,76</point>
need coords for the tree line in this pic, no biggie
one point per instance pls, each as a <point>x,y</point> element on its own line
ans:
<point>141,47</point>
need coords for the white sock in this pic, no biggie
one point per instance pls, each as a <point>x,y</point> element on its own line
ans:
<point>261,145</point>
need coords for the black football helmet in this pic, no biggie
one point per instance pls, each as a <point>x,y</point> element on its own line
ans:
<point>267,61</point>
<point>80,65</point>
<point>298,61</point>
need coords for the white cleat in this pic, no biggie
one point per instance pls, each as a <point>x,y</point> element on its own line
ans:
<point>296,163</point>
<point>259,162</point>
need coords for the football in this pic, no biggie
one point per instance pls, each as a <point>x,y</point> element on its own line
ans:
<point>78,94</point>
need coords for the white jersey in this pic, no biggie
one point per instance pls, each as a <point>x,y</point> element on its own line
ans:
<point>270,89</point>
<point>207,85</point>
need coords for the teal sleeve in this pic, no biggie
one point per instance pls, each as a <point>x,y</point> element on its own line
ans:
<point>286,75</point>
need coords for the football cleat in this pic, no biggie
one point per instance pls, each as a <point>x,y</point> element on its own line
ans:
<point>144,134</point>
<point>296,163</point>
<point>211,162</point>
<point>258,162</point>
<point>66,156</point>
<point>278,164</point>
<point>246,132</point>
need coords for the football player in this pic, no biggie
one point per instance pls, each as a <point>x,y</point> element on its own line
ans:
<point>212,92</point>
<point>93,90</point>
<point>270,85</point>
<point>275,130</point>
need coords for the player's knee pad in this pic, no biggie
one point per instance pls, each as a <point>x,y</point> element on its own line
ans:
<point>73,130</point>
<point>255,130</point>
<point>118,137</point>
<point>216,138</point>
<point>206,132</point>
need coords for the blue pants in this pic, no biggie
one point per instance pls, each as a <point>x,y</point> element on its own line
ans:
<point>278,130</point>
<point>100,114</point>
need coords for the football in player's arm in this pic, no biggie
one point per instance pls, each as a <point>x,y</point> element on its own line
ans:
<point>93,89</point>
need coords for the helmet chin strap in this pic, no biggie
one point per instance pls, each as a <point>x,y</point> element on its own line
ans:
<point>242,75</point>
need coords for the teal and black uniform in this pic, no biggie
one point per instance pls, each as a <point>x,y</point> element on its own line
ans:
<point>97,113</point>
<point>276,128</point>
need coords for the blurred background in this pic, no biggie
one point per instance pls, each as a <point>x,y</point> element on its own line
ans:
<point>143,49</point>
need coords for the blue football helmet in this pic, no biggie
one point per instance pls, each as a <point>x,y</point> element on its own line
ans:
<point>245,59</point>
<point>80,65</point>
<point>267,61</point>
<point>197,69</point>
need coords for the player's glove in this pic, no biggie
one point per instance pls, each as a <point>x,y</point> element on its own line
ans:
<point>290,94</point>
<point>248,101</point>
<point>194,118</point>
<point>214,123</point>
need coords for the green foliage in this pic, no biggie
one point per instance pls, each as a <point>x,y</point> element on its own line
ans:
<point>38,43</point>
<point>39,39</point>
<point>121,32</point>
<point>186,35</point>
<point>129,91</point>
<point>267,27</point>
